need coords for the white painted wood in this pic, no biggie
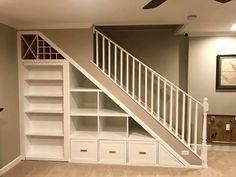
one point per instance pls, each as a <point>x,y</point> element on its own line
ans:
<point>164,103</point>
<point>152,88</point>
<point>121,68</point>
<point>189,120</point>
<point>109,58</point>
<point>115,64</point>
<point>133,78</point>
<point>142,152</point>
<point>146,105</point>
<point>171,106</point>
<point>127,73</point>
<point>195,127</point>
<point>139,83</point>
<point>103,54</point>
<point>97,54</point>
<point>167,159</point>
<point>158,98</point>
<point>204,133</point>
<point>113,151</point>
<point>177,113</point>
<point>84,150</point>
<point>183,118</point>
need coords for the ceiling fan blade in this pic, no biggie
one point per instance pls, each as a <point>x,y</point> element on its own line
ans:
<point>223,1</point>
<point>153,4</point>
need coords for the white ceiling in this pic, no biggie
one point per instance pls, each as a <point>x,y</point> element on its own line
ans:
<point>25,14</point>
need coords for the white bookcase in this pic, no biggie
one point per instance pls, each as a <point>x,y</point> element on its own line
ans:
<point>65,117</point>
<point>100,131</point>
<point>45,109</point>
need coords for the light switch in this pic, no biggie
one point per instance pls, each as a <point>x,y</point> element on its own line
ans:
<point>227,127</point>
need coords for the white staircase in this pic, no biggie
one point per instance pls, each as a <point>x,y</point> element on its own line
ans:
<point>181,114</point>
<point>175,120</point>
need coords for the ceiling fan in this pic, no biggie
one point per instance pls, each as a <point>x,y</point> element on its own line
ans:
<point>155,3</point>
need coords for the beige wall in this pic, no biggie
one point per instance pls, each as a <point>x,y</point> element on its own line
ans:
<point>160,49</point>
<point>202,72</point>
<point>77,43</point>
<point>9,118</point>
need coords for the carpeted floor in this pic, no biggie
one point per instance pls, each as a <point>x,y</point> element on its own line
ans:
<point>221,164</point>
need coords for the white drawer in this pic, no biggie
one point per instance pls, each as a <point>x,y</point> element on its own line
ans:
<point>142,152</point>
<point>83,150</point>
<point>113,151</point>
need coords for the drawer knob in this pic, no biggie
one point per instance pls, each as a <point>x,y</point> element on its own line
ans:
<point>112,152</point>
<point>142,153</point>
<point>83,150</point>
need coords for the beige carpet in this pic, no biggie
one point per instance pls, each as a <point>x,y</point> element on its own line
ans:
<point>221,164</point>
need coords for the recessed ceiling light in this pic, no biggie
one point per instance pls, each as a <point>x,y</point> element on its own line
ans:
<point>191,17</point>
<point>233,28</point>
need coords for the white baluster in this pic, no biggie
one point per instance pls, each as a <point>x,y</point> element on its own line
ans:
<point>121,68</point>
<point>152,85</point>
<point>139,83</point>
<point>133,78</point>
<point>115,66</point>
<point>127,73</point>
<point>189,120</point>
<point>204,132</point>
<point>97,55</point>
<point>183,117</point>
<point>158,98</point>
<point>164,104</point>
<point>103,54</point>
<point>171,104</point>
<point>146,88</point>
<point>177,113</point>
<point>195,127</point>
<point>109,58</point>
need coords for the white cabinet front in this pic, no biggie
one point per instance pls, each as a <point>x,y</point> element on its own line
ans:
<point>142,152</point>
<point>113,151</point>
<point>84,150</point>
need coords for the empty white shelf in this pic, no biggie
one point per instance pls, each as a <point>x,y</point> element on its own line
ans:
<point>111,135</point>
<point>84,112</point>
<point>43,79</point>
<point>110,112</point>
<point>85,90</point>
<point>52,134</point>
<point>84,135</point>
<point>44,111</point>
<point>139,134</point>
<point>46,156</point>
<point>43,95</point>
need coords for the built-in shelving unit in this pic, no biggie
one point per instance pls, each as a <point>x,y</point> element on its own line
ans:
<point>99,129</point>
<point>64,113</point>
<point>44,110</point>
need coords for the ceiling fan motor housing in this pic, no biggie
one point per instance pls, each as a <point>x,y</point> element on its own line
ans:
<point>223,1</point>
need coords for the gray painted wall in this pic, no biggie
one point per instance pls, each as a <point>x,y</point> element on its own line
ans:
<point>202,72</point>
<point>164,52</point>
<point>9,118</point>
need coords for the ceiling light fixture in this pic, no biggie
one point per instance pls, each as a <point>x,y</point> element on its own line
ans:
<point>191,17</point>
<point>233,28</point>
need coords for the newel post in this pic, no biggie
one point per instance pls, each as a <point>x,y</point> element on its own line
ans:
<point>204,133</point>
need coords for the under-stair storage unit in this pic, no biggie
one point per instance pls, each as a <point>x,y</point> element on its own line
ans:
<point>116,110</point>
<point>45,112</point>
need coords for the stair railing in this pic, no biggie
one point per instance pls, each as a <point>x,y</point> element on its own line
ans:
<point>176,110</point>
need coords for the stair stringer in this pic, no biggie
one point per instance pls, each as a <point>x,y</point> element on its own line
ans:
<point>137,112</point>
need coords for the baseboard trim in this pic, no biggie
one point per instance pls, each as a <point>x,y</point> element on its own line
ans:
<point>10,165</point>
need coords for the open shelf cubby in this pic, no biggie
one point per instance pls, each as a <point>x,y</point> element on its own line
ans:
<point>84,103</point>
<point>40,147</point>
<point>137,132</point>
<point>43,88</point>
<point>79,81</point>
<point>84,127</point>
<point>107,107</point>
<point>29,47</point>
<point>39,124</point>
<point>113,128</point>
<point>43,72</point>
<point>49,104</point>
